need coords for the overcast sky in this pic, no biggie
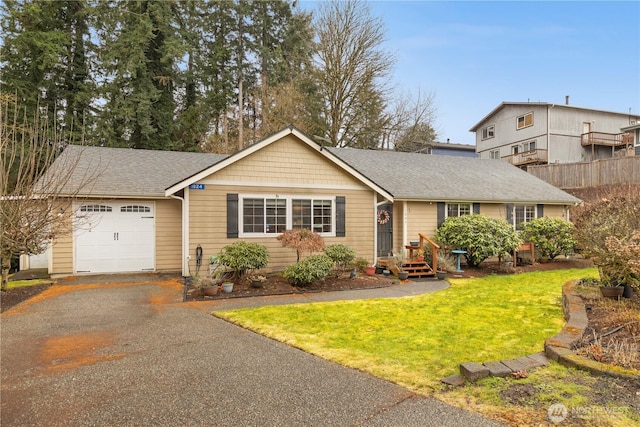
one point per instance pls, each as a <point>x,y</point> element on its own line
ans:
<point>475,55</point>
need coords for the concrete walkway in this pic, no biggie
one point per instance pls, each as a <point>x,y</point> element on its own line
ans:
<point>131,353</point>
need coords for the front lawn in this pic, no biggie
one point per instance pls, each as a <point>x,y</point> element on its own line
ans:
<point>416,341</point>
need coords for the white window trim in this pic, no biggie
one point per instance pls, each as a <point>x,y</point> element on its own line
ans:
<point>494,154</point>
<point>446,208</point>
<point>289,213</point>
<point>524,117</point>
<point>528,146</point>
<point>513,214</point>
<point>491,128</point>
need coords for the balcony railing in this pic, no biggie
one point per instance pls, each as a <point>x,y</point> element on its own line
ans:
<point>537,156</point>
<point>607,139</point>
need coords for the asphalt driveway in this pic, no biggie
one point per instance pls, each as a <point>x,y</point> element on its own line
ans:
<point>131,353</point>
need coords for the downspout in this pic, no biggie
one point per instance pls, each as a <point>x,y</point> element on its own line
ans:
<point>185,227</point>
<point>549,107</point>
<point>405,221</point>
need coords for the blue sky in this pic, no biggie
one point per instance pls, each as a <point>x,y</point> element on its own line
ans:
<point>475,55</point>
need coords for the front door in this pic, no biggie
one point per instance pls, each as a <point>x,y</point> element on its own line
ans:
<point>385,230</point>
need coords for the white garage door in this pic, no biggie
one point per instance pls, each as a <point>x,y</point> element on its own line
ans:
<point>114,237</point>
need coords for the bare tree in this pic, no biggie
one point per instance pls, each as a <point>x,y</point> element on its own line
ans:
<point>35,201</point>
<point>414,119</point>
<point>352,68</point>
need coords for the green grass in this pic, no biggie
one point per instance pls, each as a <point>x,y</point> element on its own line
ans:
<point>22,283</point>
<point>416,341</point>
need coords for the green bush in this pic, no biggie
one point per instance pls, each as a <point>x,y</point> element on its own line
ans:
<point>310,269</point>
<point>342,255</point>
<point>360,264</point>
<point>551,236</point>
<point>481,236</point>
<point>242,256</point>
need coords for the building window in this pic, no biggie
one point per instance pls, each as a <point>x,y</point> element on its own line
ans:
<point>525,121</point>
<point>488,132</point>
<point>458,209</point>
<point>494,154</point>
<point>523,214</point>
<point>529,146</point>
<point>95,208</point>
<point>267,216</point>
<point>515,149</point>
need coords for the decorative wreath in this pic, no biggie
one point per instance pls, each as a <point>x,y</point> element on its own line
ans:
<point>383,217</point>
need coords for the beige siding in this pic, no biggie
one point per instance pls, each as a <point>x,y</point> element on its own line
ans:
<point>208,224</point>
<point>422,218</point>
<point>62,250</point>
<point>304,173</point>
<point>555,211</point>
<point>286,163</point>
<point>494,210</point>
<point>168,235</point>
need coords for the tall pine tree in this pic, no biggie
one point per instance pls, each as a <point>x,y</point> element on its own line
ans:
<point>139,47</point>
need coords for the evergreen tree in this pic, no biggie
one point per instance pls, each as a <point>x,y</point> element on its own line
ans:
<point>139,47</point>
<point>44,61</point>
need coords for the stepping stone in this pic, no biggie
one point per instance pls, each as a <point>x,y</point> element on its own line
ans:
<point>474,371</point>
<point>498,369</point>
<point>539,358</point>
<point>514,365</point>
<point>454,380</point>
<point>527,362</point>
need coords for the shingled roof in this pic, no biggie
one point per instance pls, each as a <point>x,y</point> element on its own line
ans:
<point>124,172</point>
<point>413,176</point>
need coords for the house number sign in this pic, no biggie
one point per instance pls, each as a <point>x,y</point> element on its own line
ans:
<point>196,187</point>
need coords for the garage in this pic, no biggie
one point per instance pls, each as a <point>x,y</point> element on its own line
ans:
<point>114,237</point>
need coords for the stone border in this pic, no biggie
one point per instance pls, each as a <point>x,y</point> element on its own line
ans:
<point>560,347</point>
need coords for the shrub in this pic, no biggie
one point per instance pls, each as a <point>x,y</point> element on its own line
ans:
<point>360,264</point>
<point>551,236</point>
<point>341,254</point>
<point>315,267</point>
<point>302,240</point>
<point>482,237</point>
<point>242,256</point>
<point>606,231</point>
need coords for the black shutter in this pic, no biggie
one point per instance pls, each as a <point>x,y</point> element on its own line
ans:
<point>340,216</point>
<point>476,208</point>
<point>440,213</point>
<point>232,216</point>
<point>510,213</point>
<point>540,209</point>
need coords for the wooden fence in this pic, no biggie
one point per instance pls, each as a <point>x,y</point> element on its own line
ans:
<point>624,170</point>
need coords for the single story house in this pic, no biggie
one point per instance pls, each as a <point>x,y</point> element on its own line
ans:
<point>142,210</point>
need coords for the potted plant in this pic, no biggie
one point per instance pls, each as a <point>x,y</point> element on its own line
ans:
<point>370,270</point>
<point>445,264</point>
<point>227,287</point>
<point>420,255</point>
<point>611,290</point>
<point>206,286</point>
<point>398,261</point>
